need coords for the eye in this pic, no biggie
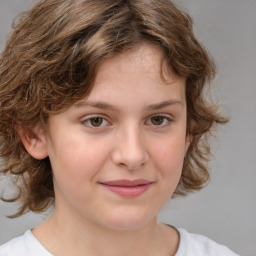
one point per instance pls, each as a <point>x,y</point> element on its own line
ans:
<point>95,122</point>
<point>159,120</point>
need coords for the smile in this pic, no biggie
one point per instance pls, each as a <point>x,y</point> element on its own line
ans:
<point>128,188</point>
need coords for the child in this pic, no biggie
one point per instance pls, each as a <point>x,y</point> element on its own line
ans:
<point>103,115</point>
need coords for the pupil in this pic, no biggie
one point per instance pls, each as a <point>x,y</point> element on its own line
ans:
<point>157,120</point>
<point>97,121</point>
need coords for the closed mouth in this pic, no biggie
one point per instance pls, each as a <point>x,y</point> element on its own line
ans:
<point>127,183</point>
<point>127,188</point>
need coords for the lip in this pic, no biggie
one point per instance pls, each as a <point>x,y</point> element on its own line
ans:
<point>127,188</point>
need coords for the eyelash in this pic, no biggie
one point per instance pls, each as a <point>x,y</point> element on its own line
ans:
<point>88,121</point>
<point>166,120</point>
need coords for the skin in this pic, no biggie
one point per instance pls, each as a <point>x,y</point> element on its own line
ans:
<point>131,126</point>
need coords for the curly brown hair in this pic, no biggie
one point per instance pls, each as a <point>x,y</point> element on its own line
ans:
<point>50,61</point>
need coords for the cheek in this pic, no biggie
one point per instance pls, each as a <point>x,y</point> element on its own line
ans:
<point>170,149</point>
<point>169,156</point>
<point>75,157</point>
<point>75,167</point>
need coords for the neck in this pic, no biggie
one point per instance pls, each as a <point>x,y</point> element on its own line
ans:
<point>82,237</point>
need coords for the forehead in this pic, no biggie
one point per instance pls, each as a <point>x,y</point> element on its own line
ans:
<point>144,59</point>
<point>136,73</point>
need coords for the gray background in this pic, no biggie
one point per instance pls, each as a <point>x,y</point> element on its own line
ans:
<point>225,209</point>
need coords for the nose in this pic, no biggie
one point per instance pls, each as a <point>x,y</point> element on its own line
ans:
<point>130,150</point>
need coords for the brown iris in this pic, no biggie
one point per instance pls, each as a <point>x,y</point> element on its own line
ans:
<point>96,121</point>
<point>157,120</point>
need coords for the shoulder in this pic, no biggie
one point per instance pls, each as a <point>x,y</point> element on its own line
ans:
<point>199,245</point>
<point>25,245</point>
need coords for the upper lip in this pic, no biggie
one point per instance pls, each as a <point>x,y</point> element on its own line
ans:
<point>127,183</point>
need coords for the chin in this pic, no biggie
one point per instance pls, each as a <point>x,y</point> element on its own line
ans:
<point>130,221</point>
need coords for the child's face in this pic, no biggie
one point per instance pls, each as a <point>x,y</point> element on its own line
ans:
<point>131,127</point>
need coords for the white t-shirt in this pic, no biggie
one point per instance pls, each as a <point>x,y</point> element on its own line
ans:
<point>190,245</point>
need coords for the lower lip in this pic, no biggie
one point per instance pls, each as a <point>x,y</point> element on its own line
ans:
<point>128,192</point>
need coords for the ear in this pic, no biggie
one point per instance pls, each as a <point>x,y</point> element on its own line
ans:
<point>34,140</point>
<point>188,141</point>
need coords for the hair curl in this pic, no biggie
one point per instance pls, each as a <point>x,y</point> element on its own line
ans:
<point>50,61</point>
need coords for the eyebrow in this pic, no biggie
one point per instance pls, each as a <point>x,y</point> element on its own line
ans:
<point>107,106</point>
<point>96,104</point>
<point>165,104</point>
